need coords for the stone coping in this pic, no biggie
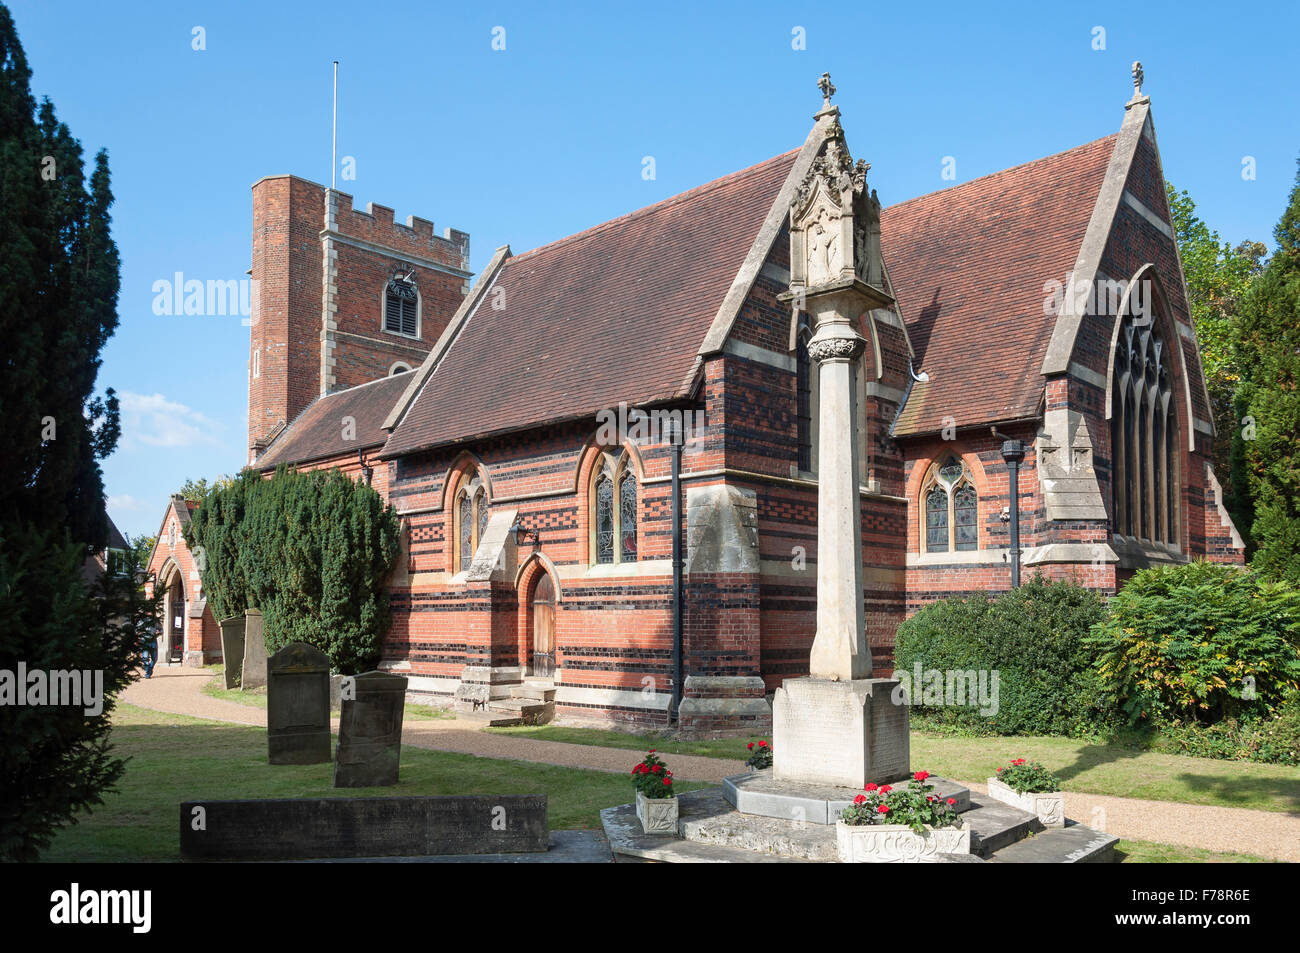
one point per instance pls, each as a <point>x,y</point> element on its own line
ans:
<point>761,794</point>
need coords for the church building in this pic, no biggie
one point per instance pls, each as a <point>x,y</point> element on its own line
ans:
<point>603,451</point>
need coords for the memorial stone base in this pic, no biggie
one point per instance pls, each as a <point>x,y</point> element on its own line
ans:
<point>843,733</point>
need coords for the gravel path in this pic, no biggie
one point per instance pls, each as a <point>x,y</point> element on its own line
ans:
<point>1268,834</point>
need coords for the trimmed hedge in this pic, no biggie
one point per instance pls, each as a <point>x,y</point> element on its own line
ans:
<point>1033,638</point>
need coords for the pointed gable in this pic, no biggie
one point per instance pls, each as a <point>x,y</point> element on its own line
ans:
<point>615,313</point>
<point>968,267</point>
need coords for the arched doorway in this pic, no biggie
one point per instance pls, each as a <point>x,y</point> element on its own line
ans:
<point>542,661</point>
<point>171,646</point>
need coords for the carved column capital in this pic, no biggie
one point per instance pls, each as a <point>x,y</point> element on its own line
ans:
<point>838,348</point>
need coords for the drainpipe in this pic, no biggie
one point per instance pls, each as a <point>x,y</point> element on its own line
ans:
<point>1013,452</point>
<point>676,436</point>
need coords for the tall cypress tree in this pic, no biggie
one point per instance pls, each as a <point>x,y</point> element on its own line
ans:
<point>1270,347</point>
<point>59,275</point>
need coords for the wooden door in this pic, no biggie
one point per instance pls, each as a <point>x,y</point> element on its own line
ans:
<point>544,627</point>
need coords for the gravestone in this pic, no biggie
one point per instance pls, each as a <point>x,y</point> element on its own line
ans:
<point>253,672</point>
<point>297,705</point>
<point>232,649</point>
<point>370,731</point>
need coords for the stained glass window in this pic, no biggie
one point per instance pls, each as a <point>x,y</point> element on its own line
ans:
<point>936,520</point>
<point>627,515</point>
<point>965,507</point>
<point>604,520</point>
<point>950,472</point>
<point>466,524</point>
<point>480,503</point>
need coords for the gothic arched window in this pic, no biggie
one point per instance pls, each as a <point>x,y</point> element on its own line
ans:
<point>401,308</point>
<point>1143,436</point>
<point>614,511</point>
<point>951,507</point>
<point>469,518</point>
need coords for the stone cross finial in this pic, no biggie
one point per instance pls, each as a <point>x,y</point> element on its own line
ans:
<point>1137,79</point>
<point>827,88</point>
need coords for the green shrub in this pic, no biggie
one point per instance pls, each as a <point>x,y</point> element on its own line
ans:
<point>1033,639</point>
<point>1199,643</point>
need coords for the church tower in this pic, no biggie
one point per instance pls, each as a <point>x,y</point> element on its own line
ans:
<point>341,297</point>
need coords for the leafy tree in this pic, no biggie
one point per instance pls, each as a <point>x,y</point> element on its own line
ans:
<point>1269,346</point>
<point>58,306</point>
<point>1218,279</point>
<point>216,535</point>
<point>1200,642</point>
<point>195,490</point>
<point>142,546</point>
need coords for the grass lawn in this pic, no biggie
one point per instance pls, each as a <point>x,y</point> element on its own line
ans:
<point>175,758</point>
<point>1143,852</point>
<point>256,698</point>
<point>1082,767</point>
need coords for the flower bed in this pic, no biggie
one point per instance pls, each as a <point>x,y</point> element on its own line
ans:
<point>885,824</point>
<point>1031,787</point>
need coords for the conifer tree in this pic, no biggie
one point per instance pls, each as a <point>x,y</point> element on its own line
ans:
<point>1269,348</point>
<point>58,306</point>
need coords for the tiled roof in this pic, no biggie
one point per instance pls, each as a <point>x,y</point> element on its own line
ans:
<point>968,266</point>
<point>318,432</point>
<point>614,313</point>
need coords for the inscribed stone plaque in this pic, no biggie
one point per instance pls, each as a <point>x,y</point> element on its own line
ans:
<point>370,731</point>
<point>297,705</point>
<point>842,733</point>
<point>232,649</point>
<point>253,672</point>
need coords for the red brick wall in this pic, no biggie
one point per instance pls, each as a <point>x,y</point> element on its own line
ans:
<point>288,262</point>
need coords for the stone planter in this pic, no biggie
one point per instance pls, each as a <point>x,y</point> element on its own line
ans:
<point>1049,807</point>
<point>658,815</point>
<point>897,843</point>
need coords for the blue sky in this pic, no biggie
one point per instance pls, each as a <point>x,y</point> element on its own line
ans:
<point>546,137</point>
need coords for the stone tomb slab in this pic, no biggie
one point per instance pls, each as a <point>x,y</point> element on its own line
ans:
<point>370,731</point>
<point>310,828</point>
<point>762,795</point>
<point>298,705</point>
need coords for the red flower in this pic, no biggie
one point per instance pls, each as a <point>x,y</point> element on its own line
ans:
<point>860,800</point>
<point>999,770</point>
<point>750,746</point>
<point>885,789</point>
<point>1018,762</point>
<point>652,751</point>
<point>882,809</point>
<point>931,799</point>
<point>659,769</point>
<point>871,786</point>
<point>762,744</point>
<point>921,775</point>
<point>668,782</point>
<point>952,801</point>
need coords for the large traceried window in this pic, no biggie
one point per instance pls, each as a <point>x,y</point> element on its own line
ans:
<point>951,508</point>
<point>614,511</point>
<point>401,308</point>
<point>469,518</point>
<point>1143,436</point>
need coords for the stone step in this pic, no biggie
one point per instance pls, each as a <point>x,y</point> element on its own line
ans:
<point>530,710</point>
<point>995,825</point>
<point>1072,844</point>
<point>489,719</point>
<point>544,693</point>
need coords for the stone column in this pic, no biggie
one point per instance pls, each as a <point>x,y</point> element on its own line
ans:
<point>839,651</point>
